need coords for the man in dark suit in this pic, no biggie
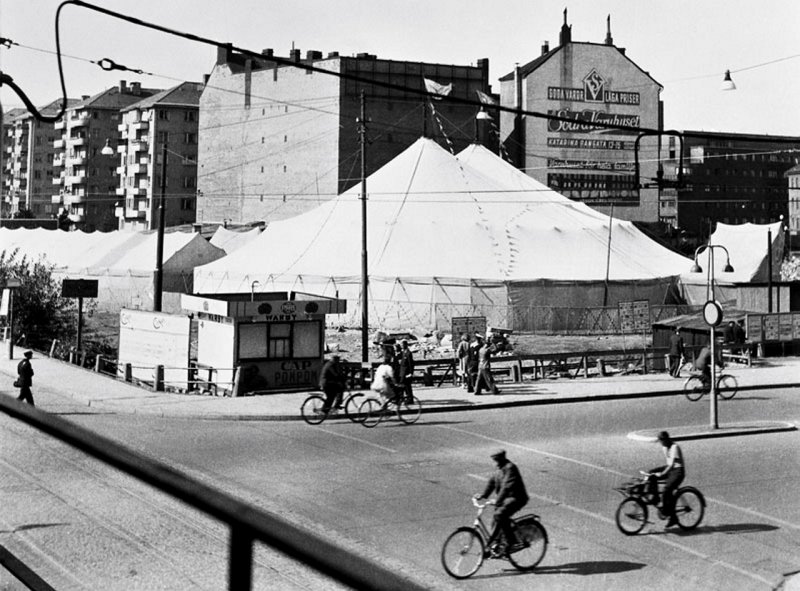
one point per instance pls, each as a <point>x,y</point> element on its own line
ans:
<point>676,353</point>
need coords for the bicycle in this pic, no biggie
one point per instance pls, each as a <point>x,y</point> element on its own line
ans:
<point>464,550</point>
<point>312,413</point>
<point>696,386</point>
<point>632,513</point>
<point>373,411</point>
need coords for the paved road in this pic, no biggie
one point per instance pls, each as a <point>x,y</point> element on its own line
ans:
<point>310,472</point>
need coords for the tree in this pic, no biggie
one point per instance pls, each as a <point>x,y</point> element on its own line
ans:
<point>40,313</point>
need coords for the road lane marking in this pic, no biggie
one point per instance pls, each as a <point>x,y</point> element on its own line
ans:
<point>364,441</point>
<point>611,471</point>
<point>662,540</point>
<point>537,451</point>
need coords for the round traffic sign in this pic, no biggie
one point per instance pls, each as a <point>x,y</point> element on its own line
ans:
<point>712,313</point>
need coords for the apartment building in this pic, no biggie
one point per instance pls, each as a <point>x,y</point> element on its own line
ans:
<point>733,178</point>
<point>277,140</point>
<point>7,152</point>
<point>168,118</point>
<point>29,162</point>
<point>86,182</point>
<point>584,84</point>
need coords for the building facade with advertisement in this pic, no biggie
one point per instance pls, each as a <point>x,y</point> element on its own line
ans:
<point>277,140</point>
<point>733,178</point>
<point>586,85</point>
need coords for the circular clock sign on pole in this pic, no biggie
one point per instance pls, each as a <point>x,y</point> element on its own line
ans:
<point>712,313</point>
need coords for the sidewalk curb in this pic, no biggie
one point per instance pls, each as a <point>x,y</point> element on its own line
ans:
<point>434,408</point>
<point>732,430</point>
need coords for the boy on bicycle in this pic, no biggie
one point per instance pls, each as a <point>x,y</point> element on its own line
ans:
<point>672,475</point>
<point>510,497</point>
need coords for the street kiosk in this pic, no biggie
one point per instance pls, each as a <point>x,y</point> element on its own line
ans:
<point>261,342</point>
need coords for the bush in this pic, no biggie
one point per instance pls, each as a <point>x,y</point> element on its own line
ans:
<point>40,313</point>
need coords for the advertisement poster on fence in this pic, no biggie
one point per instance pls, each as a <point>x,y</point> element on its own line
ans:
<point>148,339</point>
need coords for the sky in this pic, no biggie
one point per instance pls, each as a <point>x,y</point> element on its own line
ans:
<point>685,45</point>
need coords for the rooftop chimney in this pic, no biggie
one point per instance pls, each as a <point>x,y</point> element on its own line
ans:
<point>312,54</point>
<point>123,86</point>
<point>224,54</point>
<point>566,31</point>
<point>609,38</point>
<point>545,47</point>
<point>136,88</point>
<point>333,54</point>
<point>267,52</point>
<point>294,55</point>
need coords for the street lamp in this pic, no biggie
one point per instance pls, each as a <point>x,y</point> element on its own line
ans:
<point>107,149</point>
<point>727,82</point>
<point>712,314</point>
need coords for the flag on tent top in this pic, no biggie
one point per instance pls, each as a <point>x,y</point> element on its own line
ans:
<point>436,88</point>
<point>485,98</point>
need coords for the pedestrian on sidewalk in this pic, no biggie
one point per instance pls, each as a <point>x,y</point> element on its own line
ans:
<point>462,354</point>
<point>485,377</point>
<point>25,378</point>
<point>406,370</point>
<point>677,353</point>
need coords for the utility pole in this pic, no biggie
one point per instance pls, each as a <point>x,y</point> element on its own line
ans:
<point>362,131</point>
<point>159,276</point>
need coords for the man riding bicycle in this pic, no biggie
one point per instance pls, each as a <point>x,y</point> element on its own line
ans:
<point>672,475</point>
<point>510,497</point>
<point>703,363</point>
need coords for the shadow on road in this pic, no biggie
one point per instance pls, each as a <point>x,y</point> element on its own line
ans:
<point>593,567</point>
<point>28,526</point>
<point>728,528</point>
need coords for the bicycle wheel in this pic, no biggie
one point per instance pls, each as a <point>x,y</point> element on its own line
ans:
<point>631,516</point>
<point>693,388</point>
<point>371,412</point>
<point>532,547</point>
<point>311,409</point>
<point>462,553</point>
<point>727,386</point>
<point>352,407</point>
<point>690,506</point>
<point>409,412</point>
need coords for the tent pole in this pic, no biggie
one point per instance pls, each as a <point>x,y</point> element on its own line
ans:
<point>362,132</point>
<point>608,256</point>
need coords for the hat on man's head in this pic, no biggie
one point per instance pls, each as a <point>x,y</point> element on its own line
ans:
<point>664,436</point>
<point>28,354</point>
<point>498,454</point>
<point>478,335</point>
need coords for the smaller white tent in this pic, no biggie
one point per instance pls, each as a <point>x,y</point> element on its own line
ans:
<point>123,262</point>
<point>748,246</point>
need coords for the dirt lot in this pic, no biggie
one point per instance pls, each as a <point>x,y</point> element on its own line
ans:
<point>105,327</point>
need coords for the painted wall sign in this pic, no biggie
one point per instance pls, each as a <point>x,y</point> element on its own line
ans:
<point>587,120</point>
<point>588,144</point>
<point>594,91</point>
<point>590,164</point>
<point>603,188</point>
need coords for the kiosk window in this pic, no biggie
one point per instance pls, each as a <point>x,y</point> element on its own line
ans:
<point>307,342</point>
<point>279,343</point>
<point>252,341</point>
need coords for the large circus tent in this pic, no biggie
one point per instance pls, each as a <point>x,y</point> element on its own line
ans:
<point>451,236</point>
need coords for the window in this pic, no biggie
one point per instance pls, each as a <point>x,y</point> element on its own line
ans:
<point>190,138</point>
<point>189,182</point>
<point>187,204</point>
<point>163,137</point>
<point>163,115</point>
<point>190,116</point>
<point>279,344</point>
<point>189,159</point>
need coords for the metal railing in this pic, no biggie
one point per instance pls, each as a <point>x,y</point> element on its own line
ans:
<point>247,524</point>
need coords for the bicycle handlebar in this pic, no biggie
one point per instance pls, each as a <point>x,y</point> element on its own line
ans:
<point>480,505</point>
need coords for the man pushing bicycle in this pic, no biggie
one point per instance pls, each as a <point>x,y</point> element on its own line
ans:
<point>510,497</point>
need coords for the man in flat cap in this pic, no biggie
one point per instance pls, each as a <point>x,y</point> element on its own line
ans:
<point>510,496</point>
